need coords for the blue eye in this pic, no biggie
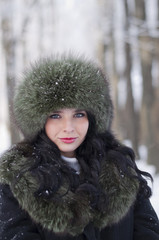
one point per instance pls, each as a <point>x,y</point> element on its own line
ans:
<point>80,115</point>
<point>55,116</point>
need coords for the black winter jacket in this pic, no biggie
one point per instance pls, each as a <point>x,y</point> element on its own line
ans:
<point>141,222</point>
<point>23,216</point>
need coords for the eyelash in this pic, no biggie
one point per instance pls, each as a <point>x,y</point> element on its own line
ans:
<point>77,115</point>
<point>55,116</point>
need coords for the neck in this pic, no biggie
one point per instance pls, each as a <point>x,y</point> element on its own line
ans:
<point>68,154</point>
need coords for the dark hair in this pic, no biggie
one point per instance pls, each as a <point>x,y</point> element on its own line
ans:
<point>51,171</point>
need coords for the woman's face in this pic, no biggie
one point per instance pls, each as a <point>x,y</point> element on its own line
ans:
<point>67,128</point>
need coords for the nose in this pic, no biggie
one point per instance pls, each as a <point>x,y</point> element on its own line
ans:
<point>68,126</point>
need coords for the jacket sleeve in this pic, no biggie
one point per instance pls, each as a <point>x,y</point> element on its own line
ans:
<point>146,223</point>
<point>14,222</point>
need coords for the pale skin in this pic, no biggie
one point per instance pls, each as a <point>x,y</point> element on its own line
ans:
<point>67,128</point>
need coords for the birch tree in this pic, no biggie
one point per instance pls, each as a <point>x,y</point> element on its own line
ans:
<point>150,111</point>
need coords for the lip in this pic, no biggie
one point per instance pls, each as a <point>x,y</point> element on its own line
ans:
<point>68,140</point>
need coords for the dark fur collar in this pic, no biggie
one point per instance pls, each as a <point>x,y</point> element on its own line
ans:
<point>73,212</point>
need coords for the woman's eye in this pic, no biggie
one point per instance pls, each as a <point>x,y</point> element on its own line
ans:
<point>55,116</point>
<point>79,115</point>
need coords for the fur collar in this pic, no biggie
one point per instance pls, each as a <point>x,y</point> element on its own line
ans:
<point>73,212</point>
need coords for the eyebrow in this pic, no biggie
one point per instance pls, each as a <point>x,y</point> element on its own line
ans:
<point>80,110</point>
<point>77,110</point>
<point>57,112</point>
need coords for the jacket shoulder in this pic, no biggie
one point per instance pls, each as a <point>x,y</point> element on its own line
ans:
<point>146,223</point>
<point>13,160</point>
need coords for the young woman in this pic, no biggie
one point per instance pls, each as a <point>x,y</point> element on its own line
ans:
<point>70,178</point>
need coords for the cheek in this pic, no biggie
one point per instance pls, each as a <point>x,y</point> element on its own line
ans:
<point>50,129</point>
<point>84,128</point>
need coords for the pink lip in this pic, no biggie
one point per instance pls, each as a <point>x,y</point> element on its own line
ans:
<point>68,140</point>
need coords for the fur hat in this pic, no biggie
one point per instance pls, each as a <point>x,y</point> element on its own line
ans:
<point>63,82</point>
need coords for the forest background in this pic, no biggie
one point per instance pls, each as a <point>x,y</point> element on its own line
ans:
<point>121,35</point>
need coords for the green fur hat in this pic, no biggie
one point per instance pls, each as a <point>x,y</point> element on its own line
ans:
<point>63,82</point>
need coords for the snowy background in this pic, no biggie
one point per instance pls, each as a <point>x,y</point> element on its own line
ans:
<point>142,164</point>
<point>32,29</point>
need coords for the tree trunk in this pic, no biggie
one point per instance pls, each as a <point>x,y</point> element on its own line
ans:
<point>150,107</point>
<point>9,48</point>
<point>140,11</point>
<point>131,116</point>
